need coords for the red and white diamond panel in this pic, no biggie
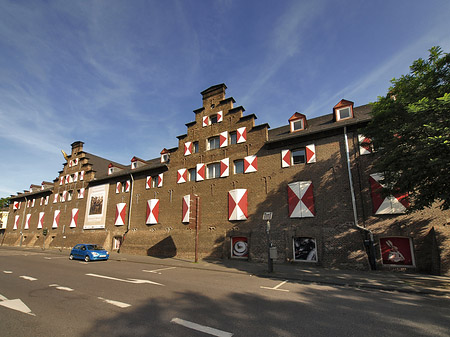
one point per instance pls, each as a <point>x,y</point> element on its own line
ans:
<point>205,120</point>
<point>160,179</point>
<point>148,182</point>
<point>250,164</point>
<point>182,176</point>
<point>74,220</point>
<point>152,211</point>
<point>310,153</point>
<point>27,222</point>
<point>201,172</point>
<point>301,199</point>
<point>225,167</point>
<point>41,220</point>
<point>121,210</point>
<point>237,204</point>
<point>223,139</point>
<point>56,218</point>
<point>187,148</point>
<point>186,209</point>
<point>395,204</point>
<point>241,135</point>
<point>16,222</point>
<point>364,145</point>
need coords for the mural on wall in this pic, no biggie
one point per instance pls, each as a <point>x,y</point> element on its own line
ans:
<point>397,251</point>
<point>239,247</point>
<point>96,211</point>
<point>305,249</point>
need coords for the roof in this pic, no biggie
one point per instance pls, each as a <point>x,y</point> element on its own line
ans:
<point>321,124</point>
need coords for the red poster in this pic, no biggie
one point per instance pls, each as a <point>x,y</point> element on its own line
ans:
<point>397,251</point>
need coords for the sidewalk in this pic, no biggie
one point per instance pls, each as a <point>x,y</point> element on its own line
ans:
<point>380,280</point>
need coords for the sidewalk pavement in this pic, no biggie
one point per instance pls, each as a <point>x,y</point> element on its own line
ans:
<point>380,280</point>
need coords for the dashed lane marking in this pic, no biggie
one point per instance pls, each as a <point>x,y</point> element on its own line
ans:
<point>29,278</point>
<point>7,271</point>
<point>277,287</point>
<point>57,286</point>
<point>116,303</point>
<point>202,328</point>
<point>157,271</point>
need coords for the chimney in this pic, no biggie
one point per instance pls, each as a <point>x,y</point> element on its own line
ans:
<point>213,95</point>
<point>77,147</point>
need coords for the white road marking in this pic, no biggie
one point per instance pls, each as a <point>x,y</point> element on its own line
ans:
<point>130,280</point>
<point>29,278</point>
<point>7,272</point>
<point>116,303</point>
<point>60,287</point>
<point>15,304</point>
<point>157,271</point>
<point>276,287</point>
<point>202,328</point>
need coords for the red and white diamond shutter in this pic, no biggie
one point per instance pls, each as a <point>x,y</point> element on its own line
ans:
<point>187,148</point>
<point>27,222</point>
<point>75,177</point>
<point>41,220</point>
<point>70,178</point>
<point>67,178</point>
<point>241,135</point>
<point>81,193</point>
<point>16,222</point>
<point>46,200</point>
<point>75,162</point>
<point>186,208</point>
<point>364,145</point>
<point>33,202</point>
<point>148,182</point>
<point>160,179</point>
<point>310,153</point>
<point>301,199</point>
<point>61,180</point>
<point>152,211</point>
<point>64,196</point>
<point>223,139</point>
<point>56,218</point>
<point>16,205</point>
<point>237,204</point>
<point>74,219</point>
<point>42,201</point>
<point>181,176</point>
<point>396,204</point>
<point>205,121</point>
<point>225,167</point>
<point>127,186</point>
<point>82,175</point>
<point>219,116</point>
<point>250,164</point>
<point>285,158</point>
<point>55,198</point>
<point>118,187</point>
<point>121,210</point>
<point>201,172</point>
<point>70,163</point>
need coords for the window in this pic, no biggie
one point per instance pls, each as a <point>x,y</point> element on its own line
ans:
<point>298,156</point>
<point>213,119</point>
<point>195,147</point>
<point>233,137</point>
<point>297,125</point>
<point>133,165</point>
<point>238,166</point>
<point>213,170</point>
<point>344,113</point>
<point>69,195</point>
<point>213,143</point>
<point>192,174</point>
<point>154,181</point>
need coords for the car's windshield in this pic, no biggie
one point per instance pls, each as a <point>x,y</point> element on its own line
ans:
<point>95,247</point>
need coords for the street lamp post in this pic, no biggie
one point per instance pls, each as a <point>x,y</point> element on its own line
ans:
<point>268,216</point>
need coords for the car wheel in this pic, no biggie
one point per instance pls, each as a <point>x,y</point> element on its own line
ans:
<point>71,257</point>
<point>87,258</point>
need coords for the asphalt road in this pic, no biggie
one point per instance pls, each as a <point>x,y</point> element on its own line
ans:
<point>48,295</point>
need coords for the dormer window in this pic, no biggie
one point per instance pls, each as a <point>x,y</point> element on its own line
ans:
<point>133,165</point>
<point>297,122</point>
<point>164,156</point>
<point>137,162</point>
<point>110,169</point>
<point>343,110</point>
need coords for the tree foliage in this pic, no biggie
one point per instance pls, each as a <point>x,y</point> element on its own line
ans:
<point>410,131</point>
<point>4,203</point>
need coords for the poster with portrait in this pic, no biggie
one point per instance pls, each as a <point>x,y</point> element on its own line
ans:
<point>96,207</point>
<point>397,251</point>
<point>239,247</point>
<point>305,249</point>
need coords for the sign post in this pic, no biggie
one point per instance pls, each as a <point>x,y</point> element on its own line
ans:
<point>268,216</point>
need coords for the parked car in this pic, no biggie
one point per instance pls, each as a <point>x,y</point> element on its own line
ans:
<point>88,252</point>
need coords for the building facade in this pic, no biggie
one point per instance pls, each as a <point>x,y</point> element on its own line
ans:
<point>214,194</point>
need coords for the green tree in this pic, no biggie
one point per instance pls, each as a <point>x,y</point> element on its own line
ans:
<point>410,131</point>
<point>4,202</point>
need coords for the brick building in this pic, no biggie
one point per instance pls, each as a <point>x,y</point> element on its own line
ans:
<point>209,194</point>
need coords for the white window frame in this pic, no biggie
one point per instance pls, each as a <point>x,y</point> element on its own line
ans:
<point>241,161</point>
<point>213,168</point>
<point>216,140</point>
<point>338,113</point>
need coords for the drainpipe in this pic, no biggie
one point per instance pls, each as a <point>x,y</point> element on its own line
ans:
<point>22,222</point>
<point>371,252</point>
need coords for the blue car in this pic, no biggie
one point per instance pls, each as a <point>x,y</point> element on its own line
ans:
<point>88,252</point>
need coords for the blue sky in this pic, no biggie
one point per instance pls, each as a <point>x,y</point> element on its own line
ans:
<point>125,76</point>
